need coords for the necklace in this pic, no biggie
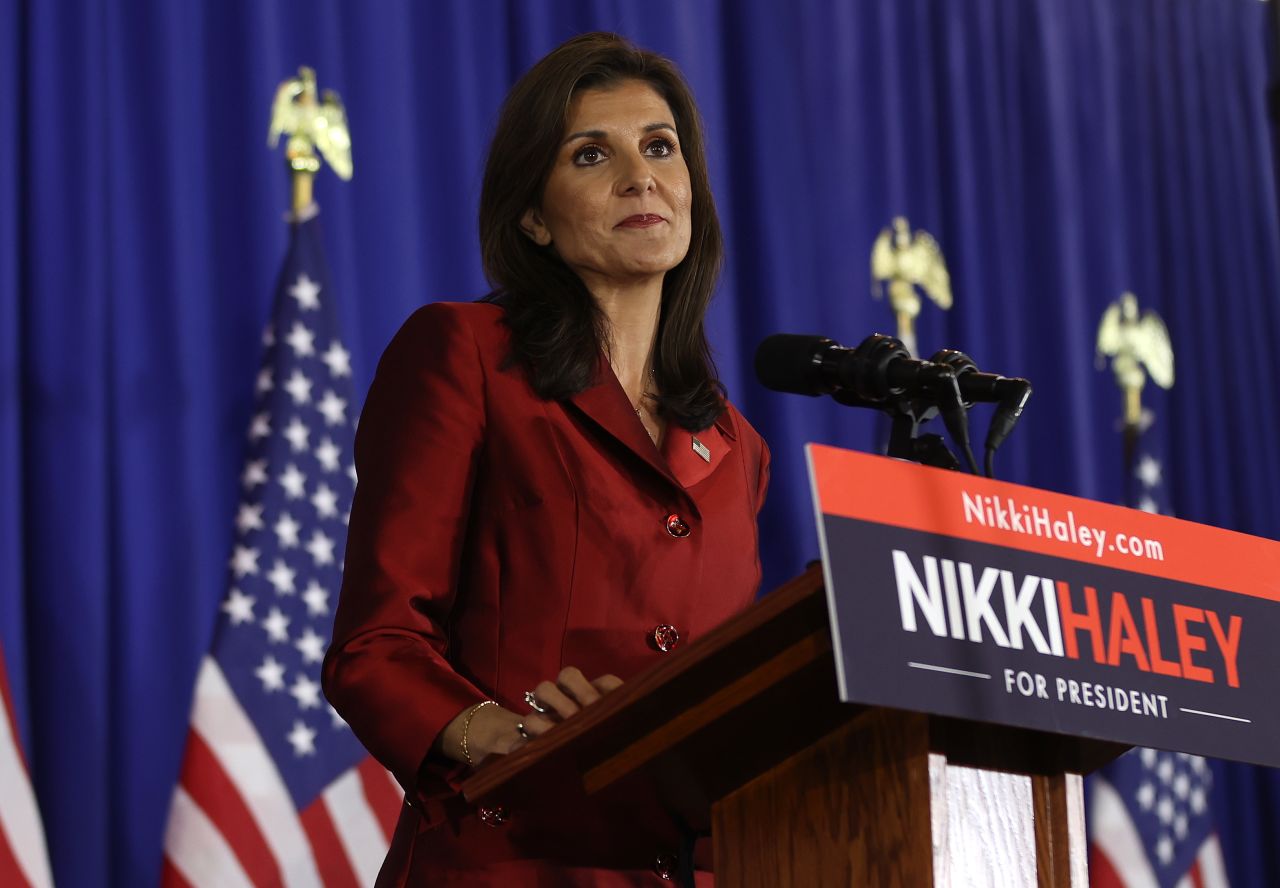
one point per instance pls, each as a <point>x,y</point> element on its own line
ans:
<point>640,412</point>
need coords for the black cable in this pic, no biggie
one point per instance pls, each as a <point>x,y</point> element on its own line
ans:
<point>991,462</point>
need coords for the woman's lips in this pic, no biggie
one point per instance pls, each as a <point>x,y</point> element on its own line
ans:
<point>644,220</point>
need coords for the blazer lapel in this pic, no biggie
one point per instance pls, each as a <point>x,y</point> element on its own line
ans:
<point>692,463</point>
<point>606,404</point>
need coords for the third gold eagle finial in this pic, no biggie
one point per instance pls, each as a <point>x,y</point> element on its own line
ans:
<point>1138,345</point>
<point>909,263</point>
<point>311,124</point>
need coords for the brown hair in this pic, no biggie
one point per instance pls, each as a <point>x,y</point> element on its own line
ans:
<point>557,330</point>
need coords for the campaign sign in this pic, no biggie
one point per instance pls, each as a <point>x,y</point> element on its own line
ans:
<point>979,599</point>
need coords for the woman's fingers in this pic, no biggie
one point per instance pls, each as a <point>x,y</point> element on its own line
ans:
<point>536,725</point>
<point>555,700</point>
<point>606,683</point>
<point>575,684</point>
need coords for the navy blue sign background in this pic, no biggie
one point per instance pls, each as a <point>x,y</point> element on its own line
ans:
<point>881,663</point>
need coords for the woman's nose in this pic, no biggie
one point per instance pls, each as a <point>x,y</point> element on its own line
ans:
<point>635,174</point>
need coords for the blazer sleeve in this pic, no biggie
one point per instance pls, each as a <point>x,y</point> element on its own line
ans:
<point>416,451</point>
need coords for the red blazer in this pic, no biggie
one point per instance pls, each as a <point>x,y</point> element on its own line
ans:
<point>496,538</point>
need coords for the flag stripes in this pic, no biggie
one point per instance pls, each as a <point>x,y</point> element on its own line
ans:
<point>23,858</point>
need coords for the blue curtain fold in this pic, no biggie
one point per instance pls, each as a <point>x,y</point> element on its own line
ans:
<point>1061,151</point>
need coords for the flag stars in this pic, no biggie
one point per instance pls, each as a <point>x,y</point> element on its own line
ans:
<point>302,739</point>
<point>1165,769</point>
<point>293,482</point>
<point>311,646</point>
<point>244,561</point>
<point>298,387</point>
<point>1180,826</point>
<point>301,340</point>
<point>277,626</point>
<point>1182,786</point>
<point>306,292</point>
<point>338,359</point>
<point>297,434</point>
<point>306,692</point>
<point>1149,505</point>
<point>260,427</point>
<point>325,501</point>
<point>269,335</point>
<point>1148,471</point>
<point>1146,795</point>
<point>317,599</point>
<point>1149,758</point>
<point>266,382</point>
<point>239,607</point>
<point>271,674</point>
<point>320,547</point>
<point>255,473</point>
<point>335,720</point>
<point>248,518</point>
<point>1199,800</point>
<point>333,408</point>
<point>1164,810</point>
<point>1164,849</point>
<point>328,454</point>
<point>281,576</point>
<point>287,531</point>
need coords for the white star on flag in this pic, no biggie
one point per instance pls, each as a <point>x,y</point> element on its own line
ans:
<point>303,739</point>
<point>277,626</point>
<point>292,481</point>
<point>248,518</point>
<point>333,408</point>
<point>326,501</point>
<point>287,531</point>
<point>271,673</point>
<point>255,473</point>
<point>329,454</point>
<point>244,561</point>
<point>1148,470</point>
<point>297,434</point>
<point>307,292</point>
<point>239,607</point>
<point>298,387</point>
<point>338,359</point>
<point>265,382</point>
<point>320,546</point>
<point>306,692</point>
<point>301,340</point>
<point>317,599</point>
<point>281,576</point>
<point>260,427</point>
<point>311,646</point>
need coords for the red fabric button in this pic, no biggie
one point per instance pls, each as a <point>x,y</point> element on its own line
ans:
<point>665,867</point>
<point>495,816</point>
<point>666,637</point>
<point>676,526</point>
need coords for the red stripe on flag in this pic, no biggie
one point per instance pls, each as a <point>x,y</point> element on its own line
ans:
<point>171,878</point>
<point>331,859</point>
<point>212,790</point>
<point>1197,877</point>
<point>1101,873</point>
<point>382,796</point>
<point>10,872</point>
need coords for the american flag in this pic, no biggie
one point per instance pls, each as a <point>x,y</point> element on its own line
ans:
<point>23,858</point>
<point>274,788</point>
<point>1149,820</point>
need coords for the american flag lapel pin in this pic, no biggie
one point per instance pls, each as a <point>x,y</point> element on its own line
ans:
<point>701,449</point>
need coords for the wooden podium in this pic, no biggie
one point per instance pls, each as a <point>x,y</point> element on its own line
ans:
<point>742,735</point>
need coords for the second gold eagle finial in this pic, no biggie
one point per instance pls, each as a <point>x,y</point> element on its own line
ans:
<point>908,262</point>
<point>1138,345</point>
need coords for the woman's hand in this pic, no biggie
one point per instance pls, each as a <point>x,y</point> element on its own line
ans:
<point>493,730</point>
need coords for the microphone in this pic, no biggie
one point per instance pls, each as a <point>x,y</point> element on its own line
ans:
<point>1010,393</point>
<point>876,373</point>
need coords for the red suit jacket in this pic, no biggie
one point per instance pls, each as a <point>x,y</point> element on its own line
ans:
<point>496,538</point>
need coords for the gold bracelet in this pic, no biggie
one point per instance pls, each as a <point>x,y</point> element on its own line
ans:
<point>466,726</point>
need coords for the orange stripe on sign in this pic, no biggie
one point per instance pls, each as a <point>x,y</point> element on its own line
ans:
<point>216,795</point>
<point>383,798</point>
<point>331,860</point>
<point>902,494</point>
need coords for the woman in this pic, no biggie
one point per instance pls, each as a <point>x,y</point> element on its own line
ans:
<point>554,492</point>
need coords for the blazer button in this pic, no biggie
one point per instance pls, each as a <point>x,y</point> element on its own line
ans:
<point>665,637</point>
<point>677,527</point>
<point>664,866</point>
<point>495,816</point>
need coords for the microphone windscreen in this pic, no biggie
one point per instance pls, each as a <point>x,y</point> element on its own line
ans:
<point>791,362</point>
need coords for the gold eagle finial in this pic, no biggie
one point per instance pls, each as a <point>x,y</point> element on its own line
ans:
<point>1138,345</point>
<point>310,125</point>
<point>909,263</point>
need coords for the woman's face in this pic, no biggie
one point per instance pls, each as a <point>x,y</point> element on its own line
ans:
<point>617,203</point>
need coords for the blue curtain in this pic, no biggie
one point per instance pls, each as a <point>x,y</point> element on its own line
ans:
<point>1061,151</point>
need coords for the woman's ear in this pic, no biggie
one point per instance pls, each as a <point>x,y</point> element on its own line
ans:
<point>531,224</point>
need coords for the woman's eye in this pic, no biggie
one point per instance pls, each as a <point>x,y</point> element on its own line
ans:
<point>588,155</point>
<point>661,148</point>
